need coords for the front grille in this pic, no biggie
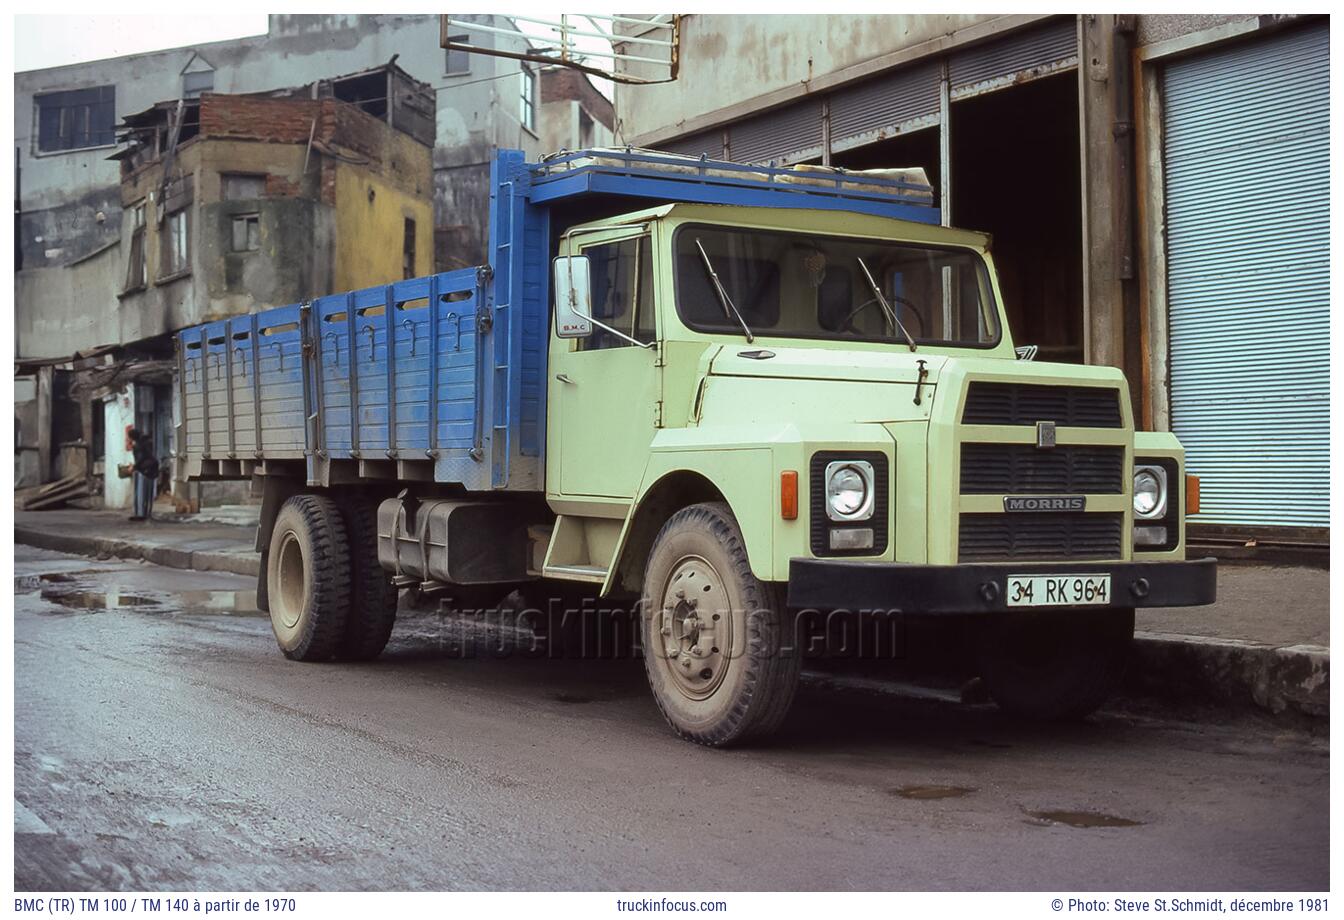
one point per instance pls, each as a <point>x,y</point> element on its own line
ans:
<point>1053,536</point>
<point>1008,469</point>
<point>1029,403</point>
<point>821,525</point>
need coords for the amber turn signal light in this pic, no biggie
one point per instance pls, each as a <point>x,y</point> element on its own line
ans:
<point>788,495</point>
<point>1191,494</point>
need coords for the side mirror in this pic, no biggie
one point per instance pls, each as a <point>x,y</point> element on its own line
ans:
<point>573,298</point>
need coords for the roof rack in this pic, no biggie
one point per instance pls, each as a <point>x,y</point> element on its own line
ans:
<point>900,193</point>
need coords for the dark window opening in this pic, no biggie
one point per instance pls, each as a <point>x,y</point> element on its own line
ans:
<point>408,249</point>
<point>246,232</point>
<point>367,91</point>
<point>176,243</point>
<point>135,266</point>
<point>76,118</point>
<point>585,129</point>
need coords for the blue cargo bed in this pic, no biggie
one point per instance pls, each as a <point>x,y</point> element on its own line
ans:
<point>442,378</point>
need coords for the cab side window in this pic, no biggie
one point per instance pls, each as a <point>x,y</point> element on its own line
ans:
<point>621,274</point>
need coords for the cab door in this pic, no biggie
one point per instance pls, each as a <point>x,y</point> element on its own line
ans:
<point>603,389</point>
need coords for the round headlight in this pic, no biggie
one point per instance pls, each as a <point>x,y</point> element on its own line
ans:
<point>847,491</point>
<point>1147,493</point>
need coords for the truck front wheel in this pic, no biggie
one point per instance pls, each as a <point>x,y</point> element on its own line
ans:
<point>718,644</point>
<point>308,578</point>
<point>1055,665</point>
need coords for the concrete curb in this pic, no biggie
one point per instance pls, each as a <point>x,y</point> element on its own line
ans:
<point>1276,679</point>
<point>173,557</point>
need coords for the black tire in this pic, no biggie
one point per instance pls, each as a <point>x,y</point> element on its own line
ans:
<point>741,685</point>
<point>1055,665</point>
<point>373,597</point>
<point>308,578</point>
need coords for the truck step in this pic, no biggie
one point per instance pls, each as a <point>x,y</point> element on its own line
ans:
<point>593,573</point>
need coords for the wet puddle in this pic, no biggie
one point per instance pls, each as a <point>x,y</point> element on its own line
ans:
<point>111,599</point>
<point>922,793</point>
<point>1083,819</point>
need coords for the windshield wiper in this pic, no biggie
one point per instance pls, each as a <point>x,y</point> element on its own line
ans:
<point>891,314</point>
<point>723,295</point>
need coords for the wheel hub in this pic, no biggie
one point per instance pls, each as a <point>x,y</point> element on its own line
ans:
<point>289,602</point>
<point>695,627</point>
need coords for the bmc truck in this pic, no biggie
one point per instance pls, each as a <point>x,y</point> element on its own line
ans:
<point>731,394</point>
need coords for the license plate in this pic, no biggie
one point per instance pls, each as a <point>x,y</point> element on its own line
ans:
<point>1058,590</point>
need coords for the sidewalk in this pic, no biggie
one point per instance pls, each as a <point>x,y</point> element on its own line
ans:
<point>1265,644</point>
<point>176,542</point>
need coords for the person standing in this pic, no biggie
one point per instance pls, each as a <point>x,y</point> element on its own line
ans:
<point>146,467</point>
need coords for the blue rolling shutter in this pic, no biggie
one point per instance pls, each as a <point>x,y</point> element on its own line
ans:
<point>1247,172</point>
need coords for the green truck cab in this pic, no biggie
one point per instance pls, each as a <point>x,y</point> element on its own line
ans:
<point>777,410</point>
<point>763,398</point>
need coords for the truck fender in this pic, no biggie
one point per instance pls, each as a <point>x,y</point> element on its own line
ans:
<point>678,488</point>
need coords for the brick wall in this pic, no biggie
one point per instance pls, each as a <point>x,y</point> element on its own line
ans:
<point>281,121</point>
<point>561,83</point>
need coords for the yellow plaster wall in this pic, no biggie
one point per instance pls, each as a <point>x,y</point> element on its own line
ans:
<point>369,229</point>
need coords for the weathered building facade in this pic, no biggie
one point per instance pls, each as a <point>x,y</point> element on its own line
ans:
<point>69,197</point>
<point>235,203</point>
<point>1123,165</point>
<point>268,201</point>
<point>273,195</point>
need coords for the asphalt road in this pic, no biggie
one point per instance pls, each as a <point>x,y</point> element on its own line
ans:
<point>162,743</point>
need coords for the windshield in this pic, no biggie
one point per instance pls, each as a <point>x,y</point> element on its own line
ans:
<point>799,285</point>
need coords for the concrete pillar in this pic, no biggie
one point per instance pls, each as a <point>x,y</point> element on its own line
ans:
<point>1103,294</point>
<point>45,377</point>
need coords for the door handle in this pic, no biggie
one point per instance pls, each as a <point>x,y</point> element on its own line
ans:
<point>565,378</point>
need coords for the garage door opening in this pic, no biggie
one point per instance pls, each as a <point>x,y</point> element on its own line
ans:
<point>1016,175</point>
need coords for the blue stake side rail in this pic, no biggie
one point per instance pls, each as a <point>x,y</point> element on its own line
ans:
<point>442,378</point>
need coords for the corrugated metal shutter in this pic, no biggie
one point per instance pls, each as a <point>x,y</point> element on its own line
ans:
<point>1247,160</point>
<point>1026,55</point>
<point>887,105</point>
<point>785,135</point>
<point>706,143</point>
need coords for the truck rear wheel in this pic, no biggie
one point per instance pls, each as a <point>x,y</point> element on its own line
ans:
<point>1055,665</point>
<point>308,578</point>
<point>718,646</point>
<point>373,597</point>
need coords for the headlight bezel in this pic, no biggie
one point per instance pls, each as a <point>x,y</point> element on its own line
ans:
<point>866,507</point>
<point>1159,474</point>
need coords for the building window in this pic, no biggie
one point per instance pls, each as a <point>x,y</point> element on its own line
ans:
<point>239,186</point>
<point>528,111</point>
<point>408,249</point>
<point>76,118</point>
<point>246,232</point>
<point>135,268</point>
<point>176,243</point>
<point>193,84</point>
<point>585,130</point>
<point>456,61</point>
